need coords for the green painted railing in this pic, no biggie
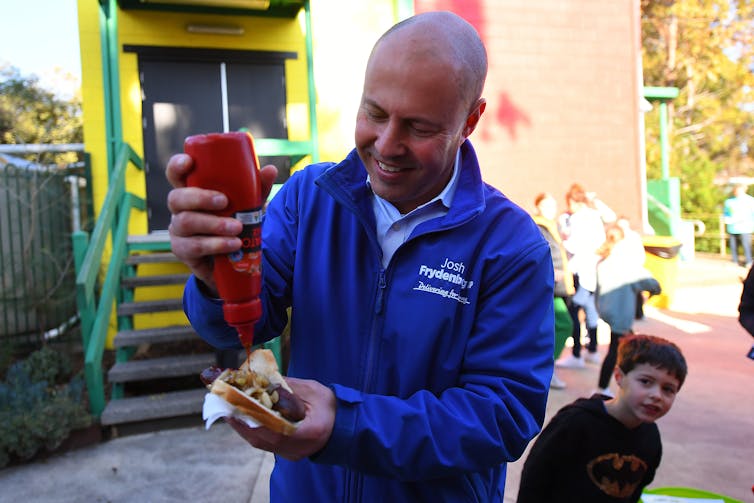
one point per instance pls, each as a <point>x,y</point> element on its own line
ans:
<point>95,304</point>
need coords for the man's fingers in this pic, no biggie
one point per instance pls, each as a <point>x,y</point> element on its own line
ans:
<point>178,168</point>
<point>195,199</point>
<point>197,223</point>
<point>261,437</point>
<point>267,174</point>
<point>194,248</point>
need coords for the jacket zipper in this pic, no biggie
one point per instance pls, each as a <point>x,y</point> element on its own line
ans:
<point>373,336</point>
<point>353,486</point>
<point>380,293</point>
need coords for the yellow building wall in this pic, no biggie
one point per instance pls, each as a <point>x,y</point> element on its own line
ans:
<point>341,49</point>
<point>93,96</point>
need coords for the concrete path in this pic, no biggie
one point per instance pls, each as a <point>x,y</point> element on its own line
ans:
<point>708,436</point>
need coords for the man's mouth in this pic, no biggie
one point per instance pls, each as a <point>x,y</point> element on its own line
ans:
<point>388,167</point>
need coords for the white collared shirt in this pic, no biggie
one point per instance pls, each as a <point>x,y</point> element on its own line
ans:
<point>393,228</point>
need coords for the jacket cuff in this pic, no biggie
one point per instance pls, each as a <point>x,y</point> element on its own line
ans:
<point>195,293</point>
<point>206,317</point>
<point>341,440</point>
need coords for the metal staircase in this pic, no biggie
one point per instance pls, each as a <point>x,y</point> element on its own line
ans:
<point>146,373</point>
<point>155,375</point>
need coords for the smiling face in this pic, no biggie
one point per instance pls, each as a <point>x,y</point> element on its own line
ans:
<point>413,117</point>
<point>646,393</point>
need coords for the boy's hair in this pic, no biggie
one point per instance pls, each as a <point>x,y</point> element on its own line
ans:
<point>635,349</point>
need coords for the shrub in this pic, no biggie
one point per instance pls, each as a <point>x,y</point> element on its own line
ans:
<point>40,404</point>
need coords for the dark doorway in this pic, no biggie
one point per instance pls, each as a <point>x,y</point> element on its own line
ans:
<point>187,92</point>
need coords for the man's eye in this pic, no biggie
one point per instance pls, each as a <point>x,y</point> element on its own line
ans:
<point>374,115</point>
<point>422,131</point>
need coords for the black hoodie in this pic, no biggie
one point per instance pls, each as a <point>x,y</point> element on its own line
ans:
<point>584,455</point>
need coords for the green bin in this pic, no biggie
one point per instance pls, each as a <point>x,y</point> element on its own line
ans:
<point>662,261</point>
<point>689,492</point>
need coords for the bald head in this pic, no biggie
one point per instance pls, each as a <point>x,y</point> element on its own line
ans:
<point>448,39</point>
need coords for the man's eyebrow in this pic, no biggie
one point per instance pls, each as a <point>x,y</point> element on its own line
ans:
<point>370,102</point>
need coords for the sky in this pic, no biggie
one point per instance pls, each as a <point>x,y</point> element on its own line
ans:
<point>40,37</point>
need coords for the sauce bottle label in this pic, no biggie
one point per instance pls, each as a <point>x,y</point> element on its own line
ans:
<point>249,258</point>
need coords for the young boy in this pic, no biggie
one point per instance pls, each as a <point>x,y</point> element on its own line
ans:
<point>607,450</point>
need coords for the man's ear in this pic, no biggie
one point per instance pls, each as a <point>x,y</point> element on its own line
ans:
<point>619,375</point>
<point>473,118</point>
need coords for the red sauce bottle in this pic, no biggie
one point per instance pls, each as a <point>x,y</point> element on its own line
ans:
<point>227,163</point>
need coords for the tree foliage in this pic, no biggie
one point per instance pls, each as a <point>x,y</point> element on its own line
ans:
<point>704,48</point>
<point>30,114</point>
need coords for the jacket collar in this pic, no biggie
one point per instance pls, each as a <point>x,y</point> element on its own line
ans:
<point>346,182</point>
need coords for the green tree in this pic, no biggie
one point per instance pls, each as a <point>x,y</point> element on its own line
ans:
<point>704,48</point>
<point>30,114</point>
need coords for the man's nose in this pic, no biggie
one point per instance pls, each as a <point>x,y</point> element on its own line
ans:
<point>390,141</point>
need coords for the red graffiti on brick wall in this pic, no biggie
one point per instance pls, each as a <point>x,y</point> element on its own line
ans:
<point>471,10</point>
<point>510,116</point>
<point>506,113</point>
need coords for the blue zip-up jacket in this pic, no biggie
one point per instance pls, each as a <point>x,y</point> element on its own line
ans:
<point>440,363</point>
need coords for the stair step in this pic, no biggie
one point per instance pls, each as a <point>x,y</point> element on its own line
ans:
<point>158,368</point>
<point>151,258</point>
<point>150,306</point>
<point>155,240</point>
<point>173,333</point>
<point>155,280</point>
<point>150,407</point>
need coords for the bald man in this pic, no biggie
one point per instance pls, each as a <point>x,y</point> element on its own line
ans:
<point>422,315</point>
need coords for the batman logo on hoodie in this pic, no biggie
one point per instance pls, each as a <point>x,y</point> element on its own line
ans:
<point>617,475</point>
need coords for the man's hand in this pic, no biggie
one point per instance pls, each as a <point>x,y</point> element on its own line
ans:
<point>312,433</point>
<point>196,233</point>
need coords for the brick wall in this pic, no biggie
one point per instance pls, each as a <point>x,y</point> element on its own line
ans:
<point>563,97</point>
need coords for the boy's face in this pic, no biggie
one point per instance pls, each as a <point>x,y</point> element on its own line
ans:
<point>646,394</point>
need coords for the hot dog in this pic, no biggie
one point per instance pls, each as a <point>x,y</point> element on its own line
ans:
<point>258,390</point>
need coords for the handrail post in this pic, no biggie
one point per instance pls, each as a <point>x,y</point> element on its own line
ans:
<point>86,311</point>
<point>95,308</point>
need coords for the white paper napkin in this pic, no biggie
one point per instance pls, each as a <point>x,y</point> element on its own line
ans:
<point>215,407</point>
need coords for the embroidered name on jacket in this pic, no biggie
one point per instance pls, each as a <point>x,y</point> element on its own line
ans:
<point>448,280</point>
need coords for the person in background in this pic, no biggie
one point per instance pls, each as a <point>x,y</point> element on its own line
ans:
<point>738,216</point>
<point>546,211</point>
<point>632,241</point>
<point>620,277</point>
<point>602,449</point>
<point>607,215</point>
<point>583,232</point>
<point>636,246</point>
<point>421,330</point>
